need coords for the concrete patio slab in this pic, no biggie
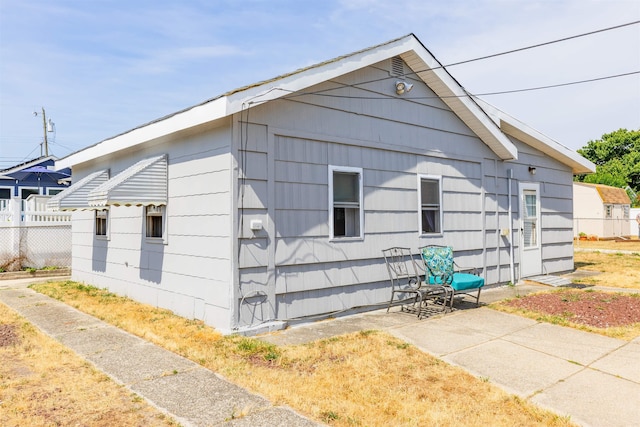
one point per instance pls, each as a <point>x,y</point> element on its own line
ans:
<point>567,344</point>
<point>441,338</point>
<point>623,362</point>
<point>593,398</point>
<point>517,369</point>
<point>486,320</point>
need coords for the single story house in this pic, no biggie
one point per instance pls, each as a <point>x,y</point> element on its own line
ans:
<point>600,210</point>
<point>271,203</point>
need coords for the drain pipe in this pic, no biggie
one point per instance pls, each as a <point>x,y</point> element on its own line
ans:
<point>510,214</point>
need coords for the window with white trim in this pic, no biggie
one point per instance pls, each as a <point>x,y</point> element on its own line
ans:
<point>102,223</point>
<point>27,191</point>
<point>345,202</point>
<point>608,211</point>
<point>430,200</point>
<point>155,220</point>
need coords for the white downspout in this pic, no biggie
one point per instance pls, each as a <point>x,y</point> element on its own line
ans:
<point>510,214</point>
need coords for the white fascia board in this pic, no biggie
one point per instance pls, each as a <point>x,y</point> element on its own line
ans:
<point>407,47</point>
<point>235,102</point>
<point>528,135</point>
<point>300,80</point>
<point>192,117</point>
<point>535,139</point>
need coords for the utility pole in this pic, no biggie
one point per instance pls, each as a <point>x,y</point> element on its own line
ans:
<point>44,128</point>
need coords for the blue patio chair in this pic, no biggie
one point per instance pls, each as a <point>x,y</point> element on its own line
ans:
<point>406,280</point>
<point>440,269</point>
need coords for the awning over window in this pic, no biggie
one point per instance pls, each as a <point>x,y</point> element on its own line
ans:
<point>75,197</point>
<point>144,183</point>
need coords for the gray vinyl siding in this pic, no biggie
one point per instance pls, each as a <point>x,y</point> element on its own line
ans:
<point>392,141</point>
<point>191,273</point>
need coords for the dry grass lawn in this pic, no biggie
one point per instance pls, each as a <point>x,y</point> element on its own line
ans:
<point>363,379</point>
<point>618,270</point>
<point>44,384</point>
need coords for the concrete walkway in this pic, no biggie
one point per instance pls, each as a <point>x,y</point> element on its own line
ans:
<point>184,390</point>
<point>591,378</point>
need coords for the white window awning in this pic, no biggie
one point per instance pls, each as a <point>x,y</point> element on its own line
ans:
<point>143,184</point>
<point>75,197</point>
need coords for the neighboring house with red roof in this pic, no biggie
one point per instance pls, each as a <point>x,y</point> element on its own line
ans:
<point>600,210</point>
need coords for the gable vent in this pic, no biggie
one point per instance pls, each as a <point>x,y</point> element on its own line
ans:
<point>397,66</point>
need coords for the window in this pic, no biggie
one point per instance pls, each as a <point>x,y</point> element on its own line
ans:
<point>345,196</point>
<point>608,211</point>
<point>530,218</point>
<point>27,191</point>
<point>625,211</point>
<point>155,220</point>
<point>6,193</point>
<point>102,217</point>
<point>54,191</point>
<point>430,196</point>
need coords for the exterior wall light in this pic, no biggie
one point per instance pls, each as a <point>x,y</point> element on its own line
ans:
<point>532,170</point>
<point>403,87</point>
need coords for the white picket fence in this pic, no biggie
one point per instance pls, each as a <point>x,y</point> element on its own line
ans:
<point>32,236</point>
<point>15,212</point>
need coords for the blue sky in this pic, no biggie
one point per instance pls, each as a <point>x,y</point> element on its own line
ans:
<point>102,67</point>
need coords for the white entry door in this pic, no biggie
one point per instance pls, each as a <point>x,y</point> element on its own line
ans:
<point>530,246</point>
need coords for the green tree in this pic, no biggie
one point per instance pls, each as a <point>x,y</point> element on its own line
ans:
<point>617,159</point>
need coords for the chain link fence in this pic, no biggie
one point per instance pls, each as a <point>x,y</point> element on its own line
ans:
<point>35,246</point>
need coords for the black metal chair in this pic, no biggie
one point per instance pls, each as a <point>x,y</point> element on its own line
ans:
<point>405,279</point>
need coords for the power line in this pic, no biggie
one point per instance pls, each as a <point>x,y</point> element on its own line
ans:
<point>322,93</point>
<point>415,73</point>
<point>559,84</point>
<point>615,27</point>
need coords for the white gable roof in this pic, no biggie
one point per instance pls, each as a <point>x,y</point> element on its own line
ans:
<point>409,48</point>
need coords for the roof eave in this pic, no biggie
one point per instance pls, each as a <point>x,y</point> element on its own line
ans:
<point>578,164</point>
<point>528,135</point>
<point>408,47</point>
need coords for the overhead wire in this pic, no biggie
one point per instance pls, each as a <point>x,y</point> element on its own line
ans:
<point>444,67</point>
<point>507,52</point>
<point>467,94</point>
